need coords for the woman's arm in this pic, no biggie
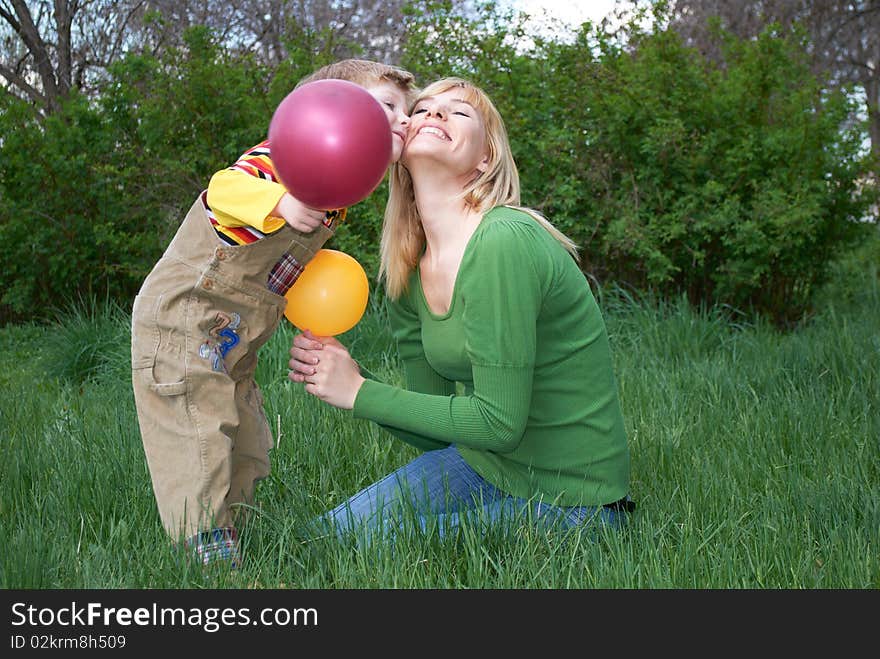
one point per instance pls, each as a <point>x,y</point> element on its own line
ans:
<point>503,278</point>
<point>307,352</point>
<point>502,282</point>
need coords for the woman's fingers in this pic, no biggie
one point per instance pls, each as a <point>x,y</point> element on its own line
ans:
<point>307,341</point>
<point>304,353</point>
<point>303,356</point>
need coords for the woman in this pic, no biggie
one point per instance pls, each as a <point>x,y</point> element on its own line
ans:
<point>489,295</point>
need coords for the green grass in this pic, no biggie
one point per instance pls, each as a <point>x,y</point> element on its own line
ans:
<point>755,463</point>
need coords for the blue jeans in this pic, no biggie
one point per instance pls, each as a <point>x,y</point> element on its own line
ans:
<point>439,487</point>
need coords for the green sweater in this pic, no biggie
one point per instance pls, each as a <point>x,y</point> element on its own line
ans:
<point>539,415</point>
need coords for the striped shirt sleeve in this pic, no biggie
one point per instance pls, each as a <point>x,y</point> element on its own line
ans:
<point>244,194</point>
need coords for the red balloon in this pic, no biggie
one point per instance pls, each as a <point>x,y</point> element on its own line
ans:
<point>330,143</point>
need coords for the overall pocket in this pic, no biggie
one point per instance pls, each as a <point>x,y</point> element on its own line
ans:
<point>144,331</point>
<point>146,339</point>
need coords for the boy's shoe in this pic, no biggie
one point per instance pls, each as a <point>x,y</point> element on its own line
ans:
<point>219,544</point>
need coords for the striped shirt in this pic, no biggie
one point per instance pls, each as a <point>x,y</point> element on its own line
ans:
<point>257,162</point>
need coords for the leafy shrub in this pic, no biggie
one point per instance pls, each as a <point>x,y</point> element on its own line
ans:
<point>730,182</point>
<point>733,182</point>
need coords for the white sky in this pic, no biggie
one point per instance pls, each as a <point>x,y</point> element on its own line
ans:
<point>572,12</point>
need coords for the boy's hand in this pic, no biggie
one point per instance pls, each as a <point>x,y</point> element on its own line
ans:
<point>299,216</point>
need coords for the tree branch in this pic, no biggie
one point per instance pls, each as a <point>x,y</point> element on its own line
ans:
<point>22,84</point>
<point>40,52</point>
<point>63,19</point>
<point>121,33</point>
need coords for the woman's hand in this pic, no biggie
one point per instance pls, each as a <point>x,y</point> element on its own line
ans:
<point>326,368</point>
<point>304,356</point>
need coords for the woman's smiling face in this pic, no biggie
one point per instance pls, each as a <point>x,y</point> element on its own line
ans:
<point>445,127</point>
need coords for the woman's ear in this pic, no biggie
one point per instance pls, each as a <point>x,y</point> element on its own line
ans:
<point>484,164</point>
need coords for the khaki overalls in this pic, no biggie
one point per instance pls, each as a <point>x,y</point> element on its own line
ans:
<point>197,323</point>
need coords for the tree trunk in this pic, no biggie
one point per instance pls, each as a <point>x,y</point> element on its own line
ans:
<point>872,92</point>
<point>55,82</point>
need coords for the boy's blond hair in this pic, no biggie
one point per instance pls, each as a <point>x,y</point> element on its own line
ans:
<point>365,73</point>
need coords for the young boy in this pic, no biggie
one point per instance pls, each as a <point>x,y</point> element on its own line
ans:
<point>213,299</point>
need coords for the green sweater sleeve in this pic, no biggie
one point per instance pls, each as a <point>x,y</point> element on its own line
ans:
<point>500,282</point>
<point>419,375</point>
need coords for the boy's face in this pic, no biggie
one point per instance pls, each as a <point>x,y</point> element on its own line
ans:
<point>393,101</point>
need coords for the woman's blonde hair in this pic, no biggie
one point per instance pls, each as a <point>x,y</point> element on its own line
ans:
<point>403,239</point>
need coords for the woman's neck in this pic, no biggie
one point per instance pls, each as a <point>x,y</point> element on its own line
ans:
<point>447,220</point>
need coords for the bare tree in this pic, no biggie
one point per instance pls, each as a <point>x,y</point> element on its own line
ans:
<point>51,46</point>
<point>366,28</point>
<point>844,36</point>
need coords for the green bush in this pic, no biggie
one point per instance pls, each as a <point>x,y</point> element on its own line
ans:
<point>730,182</point>
<point>92,195</point>
<point>64,222</point>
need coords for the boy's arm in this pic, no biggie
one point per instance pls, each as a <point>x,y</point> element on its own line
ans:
<point>239,199</point>
<point>249,194</point>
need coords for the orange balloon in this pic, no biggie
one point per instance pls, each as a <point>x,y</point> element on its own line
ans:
<point>330,295</point>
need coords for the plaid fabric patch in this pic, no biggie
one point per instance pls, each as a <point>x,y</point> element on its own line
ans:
<point>284,274</point>
<point>216,545</point>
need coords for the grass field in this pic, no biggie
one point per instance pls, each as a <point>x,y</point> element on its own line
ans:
<point>755,464</point>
